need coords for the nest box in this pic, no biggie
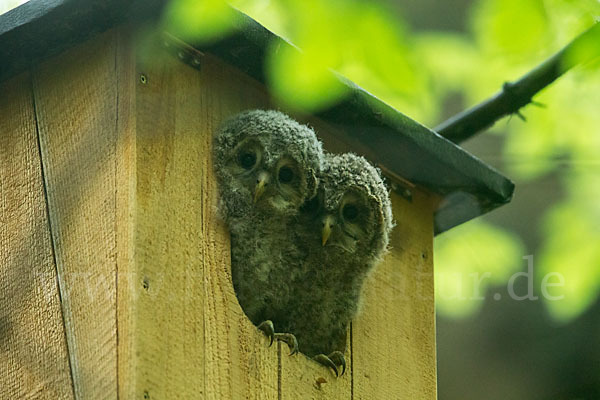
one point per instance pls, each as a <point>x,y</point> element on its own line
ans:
<point>114,268</point>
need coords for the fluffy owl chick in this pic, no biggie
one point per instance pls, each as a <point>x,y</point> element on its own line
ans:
<point>266,166</point>
<point>346,229</point>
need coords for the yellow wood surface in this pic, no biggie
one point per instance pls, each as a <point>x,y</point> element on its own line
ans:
<point>75,101</point>
<point>142,259</point>
<point>302,378</point>
<point>393,339</point>
<point>33,356</point>
<point>190,338</point>
<point>125,204</point>
<point>238,363</point>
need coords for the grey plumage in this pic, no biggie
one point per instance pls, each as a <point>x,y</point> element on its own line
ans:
<point>269,147</point>
<point>302,240</point>
<point>345,231</point>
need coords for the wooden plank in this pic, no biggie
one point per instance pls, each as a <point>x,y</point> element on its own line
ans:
<point>125,204</point>
<point>393,339</point>
<point>75,97</point>
<point>167,298</point>
<point>303,378</point>
<point>240,365</point>
<point>190,337</point>
<point>33,352</point>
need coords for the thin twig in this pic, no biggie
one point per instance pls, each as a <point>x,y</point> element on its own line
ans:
<point>515,95</point>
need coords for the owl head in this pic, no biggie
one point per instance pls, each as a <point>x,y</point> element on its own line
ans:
<point>351,213</point>
<point>266,162</point>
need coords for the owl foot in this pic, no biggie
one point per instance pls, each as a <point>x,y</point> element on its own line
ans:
<point>290,339</point>
<point>268,329</point>
<point>333,361</point>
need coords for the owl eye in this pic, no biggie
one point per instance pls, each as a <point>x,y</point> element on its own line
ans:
<point>350,212</point>
<point>247,159</point>
<point>286,174</point>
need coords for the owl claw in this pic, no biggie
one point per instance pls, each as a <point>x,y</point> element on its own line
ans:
<point>291,341</point>
<point>333,361</point>
<point>268,329</point>
<point>326,361</point>
<point>338,359</point>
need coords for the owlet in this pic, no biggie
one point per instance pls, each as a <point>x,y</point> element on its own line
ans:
<point>346,229</point>
<point>267,166</point>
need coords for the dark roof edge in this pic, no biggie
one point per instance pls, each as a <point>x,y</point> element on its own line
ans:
<point>252,40</point>
<point>42,28</point>
<point>26,14</point>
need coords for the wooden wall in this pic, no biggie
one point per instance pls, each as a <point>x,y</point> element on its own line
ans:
<point>114,269</point>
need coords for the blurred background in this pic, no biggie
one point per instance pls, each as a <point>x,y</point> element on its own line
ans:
<point>518,311</point>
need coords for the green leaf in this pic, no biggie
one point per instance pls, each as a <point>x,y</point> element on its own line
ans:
<point>301,80</point>
<point>449,58</point>
<point>469,259</point>
<point>572,250</point>
<point>510,28</point>
<point>198,20</point>
<point>584,50</point>
<point>339,35</point>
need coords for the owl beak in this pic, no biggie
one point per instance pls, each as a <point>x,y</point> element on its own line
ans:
<point>327,225</point>
<point>261,182</point>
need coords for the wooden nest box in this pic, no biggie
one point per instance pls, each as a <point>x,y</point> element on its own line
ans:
<point>114,268</point>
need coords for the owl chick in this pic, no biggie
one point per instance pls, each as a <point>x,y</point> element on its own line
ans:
<point>346,231</point>
<point>266,166</point>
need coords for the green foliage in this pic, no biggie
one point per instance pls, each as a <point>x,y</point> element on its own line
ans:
<point>564,131</point>
<point>311,86</point>
<point>468,260</point>
<point>582,49</point>
<point>510,28</point>
<point>450,62</point>
<point>337,35</point>
<point>198,20</point>
<point>572,249</point>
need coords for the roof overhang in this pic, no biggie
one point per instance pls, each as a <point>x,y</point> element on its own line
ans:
<point>399,145</point>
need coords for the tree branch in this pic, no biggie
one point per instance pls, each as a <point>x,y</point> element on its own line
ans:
<point>515,95</point>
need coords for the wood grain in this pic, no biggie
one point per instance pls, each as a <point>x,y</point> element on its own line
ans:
<point>75,98</point>
<point>33,352</point>
<point>190,339</point>
<point>303,378</point>
<point>167,297</point>
<point>393,339</point>
<point>125,205</point>
<point>250,369</point>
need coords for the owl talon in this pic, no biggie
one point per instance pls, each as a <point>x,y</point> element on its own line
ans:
<point>291,341</point>
<point>338,359</point>
<point>326,361</point>
<point>267,328</point>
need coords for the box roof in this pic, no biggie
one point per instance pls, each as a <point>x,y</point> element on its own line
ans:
<point>401,146</point>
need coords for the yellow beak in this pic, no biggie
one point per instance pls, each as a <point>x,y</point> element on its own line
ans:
<point>327,224</point>
<point>261,182</point>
